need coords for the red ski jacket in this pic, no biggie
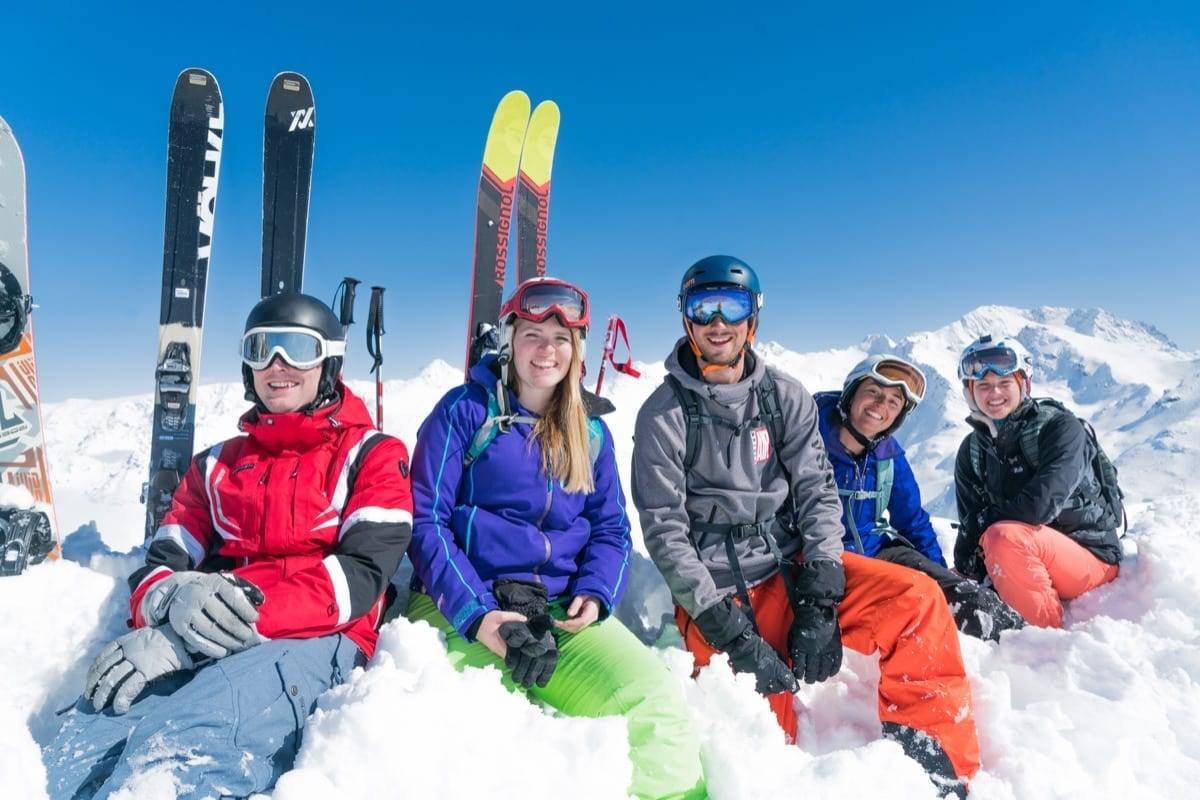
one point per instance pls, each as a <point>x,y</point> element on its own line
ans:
<point>314,509</point>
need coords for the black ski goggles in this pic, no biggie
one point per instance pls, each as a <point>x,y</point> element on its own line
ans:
<point>1003,361</point>
<point>302,348</point>
<point>731,303</point>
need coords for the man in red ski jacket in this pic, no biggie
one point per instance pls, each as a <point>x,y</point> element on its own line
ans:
<point>263,586</point>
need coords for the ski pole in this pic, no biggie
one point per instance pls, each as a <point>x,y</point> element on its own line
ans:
<point>616,327</point>
<point>346,290</point>
<point>375,333</point>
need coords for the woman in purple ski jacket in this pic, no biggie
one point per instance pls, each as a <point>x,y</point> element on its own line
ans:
<point>501,517</point>
<point>521,544</point>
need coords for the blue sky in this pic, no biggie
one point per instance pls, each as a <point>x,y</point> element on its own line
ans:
<point>884,170</point>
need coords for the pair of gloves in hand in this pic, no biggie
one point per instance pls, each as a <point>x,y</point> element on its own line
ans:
<point>532,653</point>
<point>814,638</point>
<point>189,616</point>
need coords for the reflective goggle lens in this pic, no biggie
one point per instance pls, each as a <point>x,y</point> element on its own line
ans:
<point>540,300</point>
<point>733,303</point>
<point>1000,360</point>
<point>894,373</point>
<point>300,349</point>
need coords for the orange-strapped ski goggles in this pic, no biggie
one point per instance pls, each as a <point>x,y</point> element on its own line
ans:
<point>891,372</point>
<point>538,299</point>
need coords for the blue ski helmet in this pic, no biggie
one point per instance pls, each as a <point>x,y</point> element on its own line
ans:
<point>721,271</point>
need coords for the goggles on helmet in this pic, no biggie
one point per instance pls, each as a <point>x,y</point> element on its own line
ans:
<point>1001,360</point>
<point>539,299</point>
<point>300,347</point>
<point>733,304</point>
<point>901,374</point>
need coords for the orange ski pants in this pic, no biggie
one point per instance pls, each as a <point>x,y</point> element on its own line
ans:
<point>902,614</point>
<point>1034,568</point>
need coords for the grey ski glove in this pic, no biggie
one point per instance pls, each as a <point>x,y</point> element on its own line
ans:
<point>214,613</point>
<point>129,662</point>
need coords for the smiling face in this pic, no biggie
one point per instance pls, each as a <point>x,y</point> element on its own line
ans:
<point>282,388</point>
<point>718,341</point>
<point>875,407</point>
<point>996,396</point>
<point>541,354</point>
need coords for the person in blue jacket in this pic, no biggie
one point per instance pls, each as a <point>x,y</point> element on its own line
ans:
<point>521,543</point>
<point>881,502</point>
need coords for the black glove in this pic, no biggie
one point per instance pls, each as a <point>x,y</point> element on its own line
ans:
<point>979,612</point>
<point>532,652</point>
<point>968,558</point>
<point>815,638</point>
<point>727,628</point>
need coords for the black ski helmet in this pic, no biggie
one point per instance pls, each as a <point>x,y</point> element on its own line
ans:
<point>295,310</point>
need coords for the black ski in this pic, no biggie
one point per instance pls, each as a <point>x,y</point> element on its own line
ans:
<point>493,221</point>
<point>289,135</point>
<point>193,170</point>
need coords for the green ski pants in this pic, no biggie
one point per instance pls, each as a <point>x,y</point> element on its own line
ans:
<point>603,671</point>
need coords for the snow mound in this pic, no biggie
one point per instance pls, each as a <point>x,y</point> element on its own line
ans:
<point>1108,708</point>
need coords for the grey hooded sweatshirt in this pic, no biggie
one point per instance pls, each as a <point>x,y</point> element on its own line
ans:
<point>735,480</point>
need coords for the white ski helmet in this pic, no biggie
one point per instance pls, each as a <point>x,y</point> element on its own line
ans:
<point>1000,355</point>
<point>887,370</point>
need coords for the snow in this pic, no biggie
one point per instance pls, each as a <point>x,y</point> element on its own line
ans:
<point>1108,708</point>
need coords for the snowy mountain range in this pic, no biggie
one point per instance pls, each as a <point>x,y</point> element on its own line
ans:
<point>1108,707</point>
<point>1139,390</point>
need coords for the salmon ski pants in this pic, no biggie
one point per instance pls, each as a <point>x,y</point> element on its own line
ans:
<point>900,613</point>
<point>1034,568</point>
<point>603,670</point>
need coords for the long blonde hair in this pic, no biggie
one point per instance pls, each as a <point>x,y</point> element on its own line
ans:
<point>562,431</point>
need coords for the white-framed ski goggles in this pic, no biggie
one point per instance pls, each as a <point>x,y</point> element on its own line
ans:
<point>904,376</point>
<point>302,348</point>
<point>1001,360</point>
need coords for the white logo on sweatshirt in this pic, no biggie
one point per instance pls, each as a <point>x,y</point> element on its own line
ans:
<point>762,444</point>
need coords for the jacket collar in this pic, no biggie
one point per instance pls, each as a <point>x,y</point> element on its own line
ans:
<point>301,431</point>
<point>985,424</point>
<point>682,364</point>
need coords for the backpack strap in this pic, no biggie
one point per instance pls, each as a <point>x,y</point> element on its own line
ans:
<point>885,477</point>
<point>692,420</point>
<point>771,412</point>
<point>500,419</point>
<point>595,439</point>
<point>975,451</point>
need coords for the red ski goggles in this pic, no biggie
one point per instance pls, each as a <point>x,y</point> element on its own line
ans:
<point>538,299</point>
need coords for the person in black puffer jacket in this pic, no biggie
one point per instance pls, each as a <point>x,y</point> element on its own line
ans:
<point>1036,514</point>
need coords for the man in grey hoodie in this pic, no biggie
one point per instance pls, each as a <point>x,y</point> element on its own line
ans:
<point>740,513</point>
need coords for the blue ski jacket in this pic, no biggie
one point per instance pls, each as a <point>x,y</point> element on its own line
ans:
<point>502,517</point>
<point>906,517</point>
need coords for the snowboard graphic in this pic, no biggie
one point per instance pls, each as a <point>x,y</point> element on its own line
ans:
<point>22,444</point>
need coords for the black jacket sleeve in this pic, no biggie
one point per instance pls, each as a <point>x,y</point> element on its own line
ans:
<point>974,514</point>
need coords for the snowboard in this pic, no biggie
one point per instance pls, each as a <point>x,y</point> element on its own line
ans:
<point>22,440</point>
<point>194,139</point>
<point>289,136</point>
